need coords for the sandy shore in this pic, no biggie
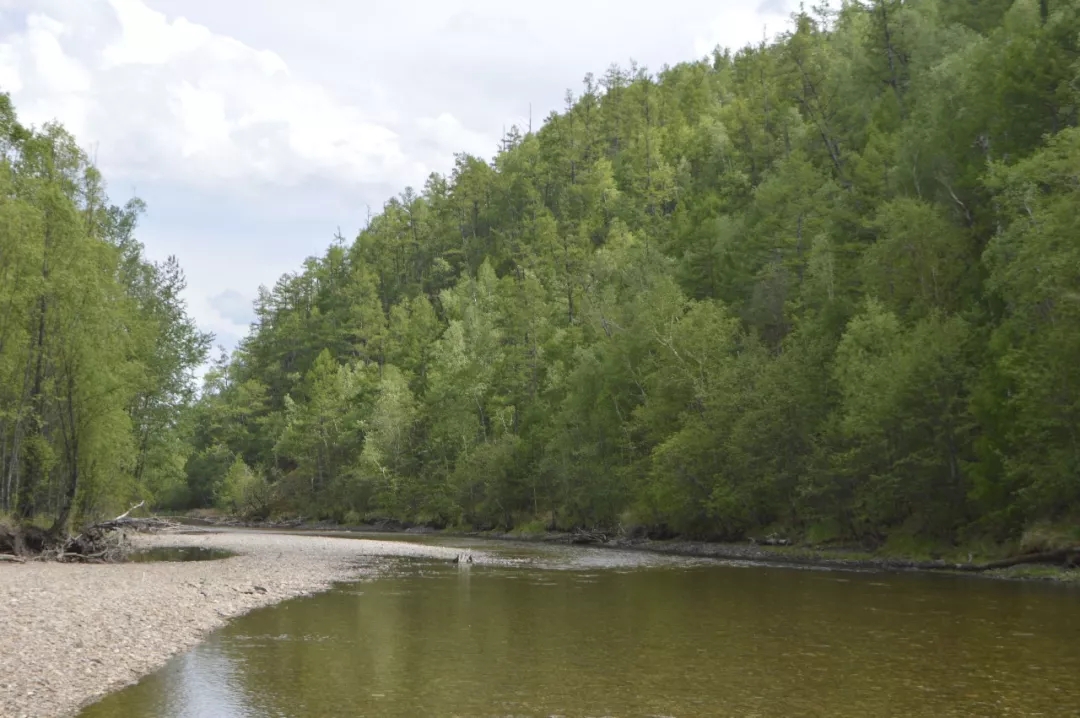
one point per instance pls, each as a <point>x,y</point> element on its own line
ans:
<point>69,633</point>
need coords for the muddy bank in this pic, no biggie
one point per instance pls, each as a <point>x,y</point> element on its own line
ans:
<point>74,632</point>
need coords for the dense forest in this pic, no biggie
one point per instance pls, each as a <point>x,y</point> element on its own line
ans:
<point>97,352</point>
<point>827,285</point>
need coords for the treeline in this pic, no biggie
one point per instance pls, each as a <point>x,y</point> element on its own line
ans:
<point>828,285</point>
<point>97,353</point>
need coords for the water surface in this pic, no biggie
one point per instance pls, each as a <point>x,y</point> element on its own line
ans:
<point>177,553</point>
<point>585,632</point>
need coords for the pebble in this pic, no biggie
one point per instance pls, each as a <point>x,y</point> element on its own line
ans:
<point>102,627</point>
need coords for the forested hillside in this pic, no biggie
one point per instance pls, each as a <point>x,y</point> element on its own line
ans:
<point>828,285</point>
<point>97,353</point>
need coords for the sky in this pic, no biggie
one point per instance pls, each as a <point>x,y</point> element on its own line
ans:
<point>254,137</point>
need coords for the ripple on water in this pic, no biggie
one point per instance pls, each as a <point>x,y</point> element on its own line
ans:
<point>540,631</point>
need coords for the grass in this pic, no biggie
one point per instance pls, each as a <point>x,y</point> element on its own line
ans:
<point>1046,536</point>
<point>532,528</point>
<point>202,513</point>
<point>815,553</point>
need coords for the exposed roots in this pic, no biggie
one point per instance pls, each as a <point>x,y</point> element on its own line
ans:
<point>93,545</point>
<point>103,542</point>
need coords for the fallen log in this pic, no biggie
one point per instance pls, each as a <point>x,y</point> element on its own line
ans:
<point>141,525</point>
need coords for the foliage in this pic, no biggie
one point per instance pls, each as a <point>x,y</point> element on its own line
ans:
<point>826,286</point>
<point>244,492</point>
<point>96,349</point>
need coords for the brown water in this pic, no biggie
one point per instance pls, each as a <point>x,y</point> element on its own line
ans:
<point>579,632</point>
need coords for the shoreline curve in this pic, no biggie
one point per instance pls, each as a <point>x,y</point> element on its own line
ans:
<point>74,633</point>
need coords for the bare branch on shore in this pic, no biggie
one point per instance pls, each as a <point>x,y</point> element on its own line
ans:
<point>128,512</point>
<point>98,543</point>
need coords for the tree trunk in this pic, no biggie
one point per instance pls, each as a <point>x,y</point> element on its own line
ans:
<point>71,443</point>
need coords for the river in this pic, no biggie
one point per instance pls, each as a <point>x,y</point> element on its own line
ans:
<point>558,631</point>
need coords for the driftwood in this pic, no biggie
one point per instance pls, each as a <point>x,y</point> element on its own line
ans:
<point>98,543</point>
<point>107,541</point>
<point>91,545</point>
<point>124,521</point>
<point>128,512</point>
<point>142,525</point>
<point>586,536</point>
<point>771,540</point>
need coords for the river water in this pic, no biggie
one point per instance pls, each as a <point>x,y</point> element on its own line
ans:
<point>546,631</point>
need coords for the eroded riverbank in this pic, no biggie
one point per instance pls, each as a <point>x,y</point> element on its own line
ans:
<point>73,633</point>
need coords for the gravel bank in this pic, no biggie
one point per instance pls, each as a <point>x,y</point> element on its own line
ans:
<point>71,633</point>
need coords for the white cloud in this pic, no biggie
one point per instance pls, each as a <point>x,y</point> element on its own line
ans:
<point>233,306</point>
<point>446,130</point>
<point>34,62</point>
<point>165,98</point>
<point>10,80</point>
<point>60,73</point>
<point>486,24</point>
<point>148,38</point>
<point>731,29</point>
<point>208,94</point>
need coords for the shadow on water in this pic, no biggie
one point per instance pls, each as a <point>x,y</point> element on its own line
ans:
<point>577,632</point>
<point>178,553</point>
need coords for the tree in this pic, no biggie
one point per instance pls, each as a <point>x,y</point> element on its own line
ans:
<point>96,349</point>
<point>821,285</point>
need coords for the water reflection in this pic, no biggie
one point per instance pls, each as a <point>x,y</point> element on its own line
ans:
<point>178,553</point>
<point>647,637</point>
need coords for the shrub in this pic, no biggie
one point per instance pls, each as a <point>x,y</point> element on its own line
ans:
<point>244,492</point>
